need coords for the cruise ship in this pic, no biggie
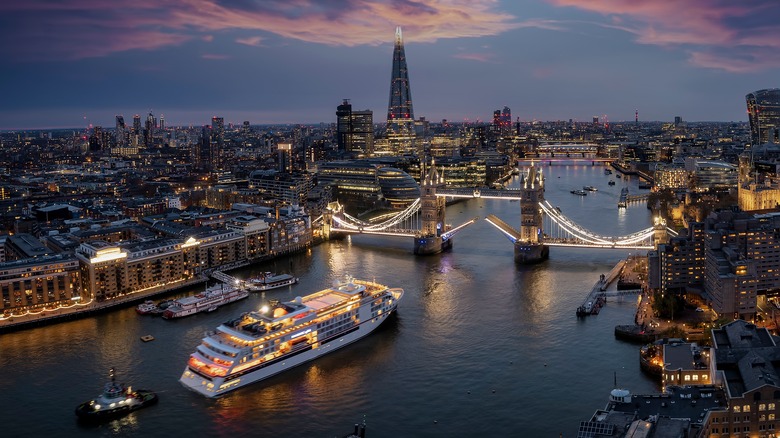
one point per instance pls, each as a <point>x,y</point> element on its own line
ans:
<point>260,344</point>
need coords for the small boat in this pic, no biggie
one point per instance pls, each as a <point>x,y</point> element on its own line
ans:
<point>579,192</point>
<point>270,280</point>
<point>146,308</point>
<point>115,401</point>
<point>590,188</point>
<point>209,300</point>
<point>147,338</point>
<point>607,172</point>
<point>611,182</point>
<point>617,175</point>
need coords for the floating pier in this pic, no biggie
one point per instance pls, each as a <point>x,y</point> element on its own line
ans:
<point>597,297</point>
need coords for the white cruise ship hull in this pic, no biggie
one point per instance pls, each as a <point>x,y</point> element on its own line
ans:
<point>218,386</point>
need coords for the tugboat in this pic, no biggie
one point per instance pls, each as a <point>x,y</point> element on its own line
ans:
<point>115,401</point>
<point>579,192</point>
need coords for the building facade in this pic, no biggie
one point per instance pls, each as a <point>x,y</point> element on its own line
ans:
<point>763,107</point>
<point>39,283</point>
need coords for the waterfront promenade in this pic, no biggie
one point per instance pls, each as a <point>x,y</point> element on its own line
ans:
<point>78,310</point>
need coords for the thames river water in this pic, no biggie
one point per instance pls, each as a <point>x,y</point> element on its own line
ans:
<point>479,346</point>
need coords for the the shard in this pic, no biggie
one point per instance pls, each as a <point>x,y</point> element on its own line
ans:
<point>400,115</point>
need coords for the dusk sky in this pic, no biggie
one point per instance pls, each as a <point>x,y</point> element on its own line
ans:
<point>78,62</point>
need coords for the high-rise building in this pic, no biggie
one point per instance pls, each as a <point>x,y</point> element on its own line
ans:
<point>354,129</point>
<point>136,125</point>
<point>217,141</point>
<point>150,128</point>
<point>763,107</point>
<point>120,131</point>
<point>506,117</point>
<point>400,114</point>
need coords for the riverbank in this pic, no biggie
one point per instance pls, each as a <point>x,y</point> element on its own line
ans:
<point>81,310</point>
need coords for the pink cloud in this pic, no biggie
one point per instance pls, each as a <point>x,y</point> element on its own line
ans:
<point>481,57</point>
<point>716,33</point>
<point>250,41</point>
<point>151,24</point>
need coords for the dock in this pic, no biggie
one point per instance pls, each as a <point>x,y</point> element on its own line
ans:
<point>597,297</point>
<point>623,201</point>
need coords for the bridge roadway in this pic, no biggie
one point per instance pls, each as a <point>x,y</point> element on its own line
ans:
<point>480,193</point>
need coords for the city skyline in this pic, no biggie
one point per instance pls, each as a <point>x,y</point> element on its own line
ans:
<point>68,66</point>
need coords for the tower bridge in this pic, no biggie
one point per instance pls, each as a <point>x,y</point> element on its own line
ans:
<point>541,225</point>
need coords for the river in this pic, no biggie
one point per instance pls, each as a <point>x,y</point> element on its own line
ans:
<point>479,346</point>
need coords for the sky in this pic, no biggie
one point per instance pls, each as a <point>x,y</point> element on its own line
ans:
<point>79,62</point>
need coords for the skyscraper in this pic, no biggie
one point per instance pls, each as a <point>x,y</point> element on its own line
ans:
<point>217,141</point>
<point>151,128</point>
<point>399,111</point>
<point>121,131</point>
<point>763,107</point>
<point>354,129</point>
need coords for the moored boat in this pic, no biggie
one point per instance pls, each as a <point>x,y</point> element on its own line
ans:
<point>115,401</point>
<point>146,308</point>
<point>270,280</point>
<point>257,345</point>
<point>209,300</point>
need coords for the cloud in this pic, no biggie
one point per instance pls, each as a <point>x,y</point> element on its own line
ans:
<point>214,56</point>
<point>250,41</point>
<point>80,26</point>
<point>738,37</point>
<point>481,57</point>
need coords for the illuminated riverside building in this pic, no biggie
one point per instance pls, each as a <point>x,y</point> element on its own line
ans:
<point>680,263</point>
<point>463,172</point>
<point>687,364</point>
<point>742,260</point>
<point>398,188</point>
<point>759,178</point>
<point>110,271</point>
<point>747,366</point>
<point>292,188</point>
<point>355,182</point>
<point>763,107</point>
<point>255,231</point>
<point>712,174</point>
<point>671,178</point>
<point>729,259</point>
<point>38,283</point>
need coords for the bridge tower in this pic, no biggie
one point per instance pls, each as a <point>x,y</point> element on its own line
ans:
<point>660,233</point>
<point>530,248</point>
<point>431,239</point>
